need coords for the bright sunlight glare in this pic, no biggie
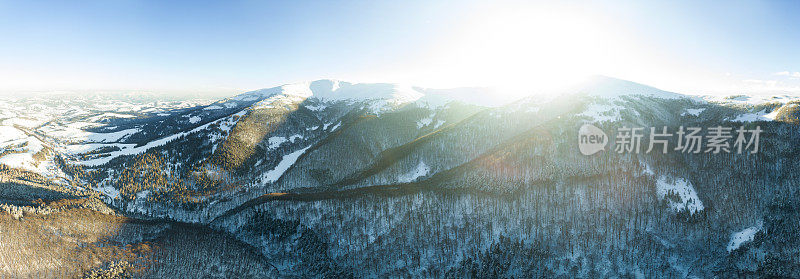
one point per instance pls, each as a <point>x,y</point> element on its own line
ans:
<point>529,49</point>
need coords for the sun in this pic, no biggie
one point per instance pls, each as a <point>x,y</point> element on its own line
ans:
<point>526,48</point>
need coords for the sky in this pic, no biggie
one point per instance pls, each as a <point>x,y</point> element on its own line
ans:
<point>228,47</point>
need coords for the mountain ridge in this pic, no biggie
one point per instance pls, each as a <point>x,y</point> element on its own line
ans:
<point>354,184</point>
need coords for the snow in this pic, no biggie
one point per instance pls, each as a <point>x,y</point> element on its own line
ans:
<point>316,108</point>
<point>142,194</point>
<point>130,150</point>
<point>82,125</point>
<point>742,237</point>
<point>109,191</point>
<point>686,193</point>
<point>111,137</point>
<point>284,165</point>
<point>333,90</point>
<point>336,126</point>
<point>74,133</point>
<point>607,87</point>
<point>772,115</point>
<point>599,112</point>
<point>648,170</point>
<point>8,133</point>
<point>24,122</point>
<point>425,121</point>
<point>109,115</point>
<point>138,205</point>
<point>275,142</point>
<point>694,112</point>
<point>609,92</point>
<point>34,145</point>
<point>20,160</point>
<point>88,147</point>
<point>245,98</point>
<point>194,119</point>
<point>750,117</point>
<point>225,126</point>
<point>384,96</point>
<point>751,100</point>
<point>23,158</point>
<point>421,170</point>
<point>335,85</point>
<point>240,113</point>
<point>212,107</point>
<point>480,96</point>
<point>758,116</point>
<point>394,94</point>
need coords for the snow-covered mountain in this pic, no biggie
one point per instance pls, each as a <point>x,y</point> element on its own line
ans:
<point>330,178</point>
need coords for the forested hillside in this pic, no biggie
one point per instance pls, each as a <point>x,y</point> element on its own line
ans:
<point>334,179</point>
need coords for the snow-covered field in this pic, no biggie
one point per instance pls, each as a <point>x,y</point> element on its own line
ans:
<point>33,129</point>
<point>741,237</point>
<point>687,198</point>
<point>285,163</point>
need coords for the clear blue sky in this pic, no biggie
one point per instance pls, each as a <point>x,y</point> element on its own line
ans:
<point>231,46</point>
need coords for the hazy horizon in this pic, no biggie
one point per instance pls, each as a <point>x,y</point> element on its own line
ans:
<point>222,50</point>
<point>517,94</point>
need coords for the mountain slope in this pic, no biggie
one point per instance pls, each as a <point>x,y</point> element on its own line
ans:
<point>329,178</point>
